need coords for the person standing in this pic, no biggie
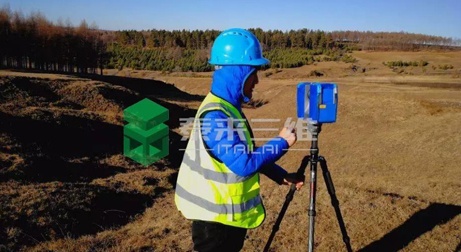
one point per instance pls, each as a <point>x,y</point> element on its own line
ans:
<point>218,185</point>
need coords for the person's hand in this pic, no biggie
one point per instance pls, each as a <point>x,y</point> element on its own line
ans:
<point>289,134</point>
<point>294,178</point>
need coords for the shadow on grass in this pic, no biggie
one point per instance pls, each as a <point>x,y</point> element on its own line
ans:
<point>46,145</point>
<point>71,212</point>
<point>48,140</point>
<point>46,169</point>
<point>418,224</point>
<point>177,146</point>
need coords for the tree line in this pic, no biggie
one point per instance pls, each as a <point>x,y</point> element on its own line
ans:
<point>277,39</point>
<point>34,42</point>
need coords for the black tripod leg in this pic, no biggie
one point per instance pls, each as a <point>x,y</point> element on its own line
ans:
<point>335,202</point>
<point>312,198</point>
<point>288,199</point>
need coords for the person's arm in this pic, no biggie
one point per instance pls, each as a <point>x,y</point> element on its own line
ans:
<point>274,172</point>
<point>227,146</point>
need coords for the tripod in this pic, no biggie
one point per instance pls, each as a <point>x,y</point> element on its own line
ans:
<point>313,159</point>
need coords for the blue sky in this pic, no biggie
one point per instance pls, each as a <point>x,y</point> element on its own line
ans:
<point>431,17</point>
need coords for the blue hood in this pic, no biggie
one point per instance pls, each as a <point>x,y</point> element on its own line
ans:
<point>228,83</point>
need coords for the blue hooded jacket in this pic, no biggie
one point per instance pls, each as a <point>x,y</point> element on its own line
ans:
<point>228,82</point>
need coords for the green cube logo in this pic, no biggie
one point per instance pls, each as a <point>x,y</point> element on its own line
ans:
<point>145,137</point>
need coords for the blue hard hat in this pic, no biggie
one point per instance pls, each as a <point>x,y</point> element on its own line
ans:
<point>237,47</point>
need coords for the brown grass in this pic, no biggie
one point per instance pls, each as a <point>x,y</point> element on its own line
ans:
<point>393,155</point>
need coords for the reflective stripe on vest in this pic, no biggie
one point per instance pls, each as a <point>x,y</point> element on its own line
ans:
<point>225,178</point>
<point>207,189</point>
<point>218,208</point>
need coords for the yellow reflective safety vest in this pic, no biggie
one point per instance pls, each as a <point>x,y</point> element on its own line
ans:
<point>206,188</point>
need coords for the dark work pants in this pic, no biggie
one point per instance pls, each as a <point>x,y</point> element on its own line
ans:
<point>212,236</point>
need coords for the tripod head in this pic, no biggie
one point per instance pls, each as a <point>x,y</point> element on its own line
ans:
<point>314,129</point>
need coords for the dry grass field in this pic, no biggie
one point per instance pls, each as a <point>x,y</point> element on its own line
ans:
<point>394,156</point>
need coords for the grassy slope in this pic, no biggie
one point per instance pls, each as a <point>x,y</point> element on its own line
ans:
<point>393,155</point>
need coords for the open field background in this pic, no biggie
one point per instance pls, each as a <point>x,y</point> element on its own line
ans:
<point>394,156</point>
